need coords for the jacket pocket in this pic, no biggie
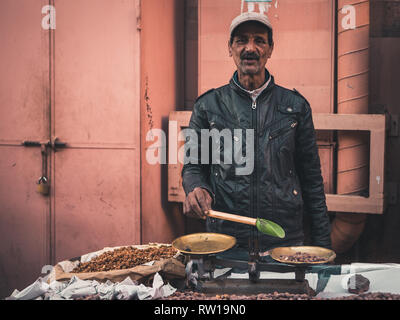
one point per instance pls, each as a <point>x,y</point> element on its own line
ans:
<point>224,186</point>
<point>285,162</point>
<point>289,193</point>
<point>281,131</point>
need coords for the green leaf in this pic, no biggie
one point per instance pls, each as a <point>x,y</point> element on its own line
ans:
<point>270,228</point>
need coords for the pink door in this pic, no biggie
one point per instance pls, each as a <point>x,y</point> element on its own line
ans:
<point>24,213</point>
<point>79,83</point>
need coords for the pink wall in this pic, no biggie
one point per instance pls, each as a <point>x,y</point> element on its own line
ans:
<point>162,76</point>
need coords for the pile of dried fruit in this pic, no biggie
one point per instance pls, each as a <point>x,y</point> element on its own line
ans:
<point>125,258</point>
<point>190,295</point>
<point>301,257</point>
<point>371,296</point>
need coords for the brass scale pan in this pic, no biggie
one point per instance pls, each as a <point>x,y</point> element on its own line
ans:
<point>211,243</point>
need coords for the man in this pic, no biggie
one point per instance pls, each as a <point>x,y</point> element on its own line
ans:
<point>286,178</point>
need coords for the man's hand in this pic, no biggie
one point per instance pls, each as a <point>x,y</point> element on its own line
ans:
<point>197,203</point>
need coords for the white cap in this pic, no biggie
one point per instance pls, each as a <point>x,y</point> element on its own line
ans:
<point>249,16</point>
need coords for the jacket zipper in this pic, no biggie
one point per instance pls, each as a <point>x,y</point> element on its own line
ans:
<point>255,173</point>
<point>280,131</point>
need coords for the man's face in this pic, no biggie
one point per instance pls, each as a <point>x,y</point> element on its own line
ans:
<point>250,49</point>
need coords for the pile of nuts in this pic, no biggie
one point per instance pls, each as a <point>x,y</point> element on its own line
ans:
<point>371,296</point>
<point>125,258</point>
<point>301,257</point>
<point>190,295</point>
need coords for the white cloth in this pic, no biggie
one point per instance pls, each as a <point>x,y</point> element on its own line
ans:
<point>77,288</point>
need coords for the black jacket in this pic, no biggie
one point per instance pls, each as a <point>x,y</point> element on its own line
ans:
<point>286,180</point>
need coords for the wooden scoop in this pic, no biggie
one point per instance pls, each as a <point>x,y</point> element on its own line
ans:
<point>263,225</point>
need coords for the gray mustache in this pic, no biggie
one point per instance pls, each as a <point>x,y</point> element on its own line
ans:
<point>250,56</point>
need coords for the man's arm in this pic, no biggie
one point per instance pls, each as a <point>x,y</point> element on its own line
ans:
<point>309,170</point>
<point>199,195</point>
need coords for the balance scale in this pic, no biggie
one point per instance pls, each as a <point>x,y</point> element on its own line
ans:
<point>200,251</point>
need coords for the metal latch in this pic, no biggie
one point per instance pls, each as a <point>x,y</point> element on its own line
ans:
<point>43,185</point>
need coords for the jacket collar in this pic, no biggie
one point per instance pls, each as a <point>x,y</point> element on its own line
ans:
<point>234,84</point>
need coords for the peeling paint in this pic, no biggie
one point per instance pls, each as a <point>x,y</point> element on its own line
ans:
<point>149,112</point>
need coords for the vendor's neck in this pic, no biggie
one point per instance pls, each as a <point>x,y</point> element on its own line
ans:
<point>252,82</point>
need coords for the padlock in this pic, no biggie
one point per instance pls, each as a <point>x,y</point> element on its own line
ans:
<point>43,186</point>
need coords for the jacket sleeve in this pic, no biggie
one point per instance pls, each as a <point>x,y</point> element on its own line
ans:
<point>194,173</point>
<point>308,167</point>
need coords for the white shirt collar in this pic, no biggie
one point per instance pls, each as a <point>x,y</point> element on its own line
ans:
<point>256,92</point>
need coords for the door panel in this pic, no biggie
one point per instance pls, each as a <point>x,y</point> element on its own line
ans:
<point>95,200</point>
<point>23,219</point>
<point>96,112</point>
<point>96,49</point>
<point>24,106</point>
<point>24,66</point>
